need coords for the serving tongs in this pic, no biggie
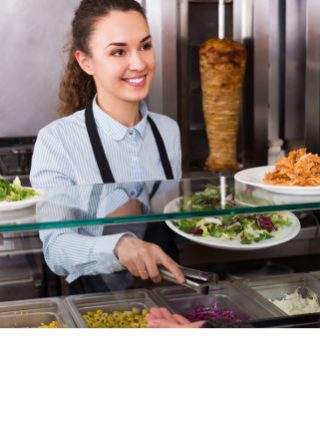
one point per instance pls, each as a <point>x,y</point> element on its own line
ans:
<point>201,287</point>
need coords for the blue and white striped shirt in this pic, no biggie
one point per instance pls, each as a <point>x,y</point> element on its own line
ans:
<point>63,155</point>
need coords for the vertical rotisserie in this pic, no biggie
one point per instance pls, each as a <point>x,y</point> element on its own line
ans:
<point>222,67</point>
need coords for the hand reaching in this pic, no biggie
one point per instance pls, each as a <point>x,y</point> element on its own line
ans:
<point>142,259</point>
<point>162,318</point>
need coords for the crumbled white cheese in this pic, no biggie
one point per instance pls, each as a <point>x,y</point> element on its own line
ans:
<point>294,304</point>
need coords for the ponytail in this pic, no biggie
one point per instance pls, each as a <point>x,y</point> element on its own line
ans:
<point>76,90</point>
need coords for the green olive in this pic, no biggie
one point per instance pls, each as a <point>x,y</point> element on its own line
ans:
<point>116,319</point>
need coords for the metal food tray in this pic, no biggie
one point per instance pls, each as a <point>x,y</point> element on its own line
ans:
<point>169,290</point>
<point>35,312</point>
<point>225,296</point>
<point>315,274</point>
<point>108,302</point>
<point>277,286</point>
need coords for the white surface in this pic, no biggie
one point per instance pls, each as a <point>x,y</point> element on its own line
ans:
<point>6,206</point>
<point>283,235</point>
<point>255,177</point>
<point>261,197</point>
<point>25,215</point>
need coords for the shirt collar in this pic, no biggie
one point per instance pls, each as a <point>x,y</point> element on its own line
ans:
<point>116,130</point>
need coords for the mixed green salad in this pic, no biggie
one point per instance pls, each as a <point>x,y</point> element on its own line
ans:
<point>247,229</point>
<point>15,191</point>
<point>208,199</point>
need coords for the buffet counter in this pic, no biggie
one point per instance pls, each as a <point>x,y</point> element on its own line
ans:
<point>214,215</point>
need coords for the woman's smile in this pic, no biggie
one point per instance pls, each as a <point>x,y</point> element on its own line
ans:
<point>136,81</point>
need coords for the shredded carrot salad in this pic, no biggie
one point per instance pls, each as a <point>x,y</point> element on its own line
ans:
<point>298,169</point>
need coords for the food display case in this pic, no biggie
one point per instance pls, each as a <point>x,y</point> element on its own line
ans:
<point>315,274</point>
<point>223,302</point>
<point>86,209</point>
<point>36,313</point>
<point>292,294</point>
<point>119,302</point>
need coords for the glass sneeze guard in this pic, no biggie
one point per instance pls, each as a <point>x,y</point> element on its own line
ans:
<point>123,203</point>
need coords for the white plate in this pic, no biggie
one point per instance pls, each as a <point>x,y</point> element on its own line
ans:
<point>259,197</point>
<point>6,206</point>
<point>26,215</point>
<point>283,235</point>
<point>255,177</point>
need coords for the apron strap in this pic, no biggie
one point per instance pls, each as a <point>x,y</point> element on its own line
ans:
<point>162,150</point>
<point>154,189</point>
<point>101,158</point>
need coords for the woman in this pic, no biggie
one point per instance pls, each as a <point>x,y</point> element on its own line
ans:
<point>107,135</point>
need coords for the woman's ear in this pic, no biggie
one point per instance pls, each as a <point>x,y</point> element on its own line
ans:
<point>84,62</point>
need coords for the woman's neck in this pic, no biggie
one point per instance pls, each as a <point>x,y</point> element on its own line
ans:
<point>125,113</point>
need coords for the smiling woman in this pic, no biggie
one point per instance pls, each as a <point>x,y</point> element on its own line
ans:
<point>111,41</point>
<point>106,134</point>
<point>121,62</point>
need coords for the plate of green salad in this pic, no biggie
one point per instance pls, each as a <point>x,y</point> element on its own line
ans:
<point>14,196</point>
<point>233,232</point>
<point>239,232</point>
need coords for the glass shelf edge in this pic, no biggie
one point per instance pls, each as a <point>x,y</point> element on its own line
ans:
<point>153,217</point>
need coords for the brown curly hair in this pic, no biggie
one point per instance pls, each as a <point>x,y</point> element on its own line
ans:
<point>77,88</point>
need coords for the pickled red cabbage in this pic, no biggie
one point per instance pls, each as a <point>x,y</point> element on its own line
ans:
<point>205,313</point>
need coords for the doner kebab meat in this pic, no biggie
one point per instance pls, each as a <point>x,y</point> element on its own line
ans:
<point>222,68</point>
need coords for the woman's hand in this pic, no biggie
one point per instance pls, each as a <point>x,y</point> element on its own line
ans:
<point>131,208</point>
<point>142,259</point>
<point>162,318</point>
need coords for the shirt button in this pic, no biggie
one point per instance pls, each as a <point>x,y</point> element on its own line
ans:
<point>131,132</point>
<point>132,193</point>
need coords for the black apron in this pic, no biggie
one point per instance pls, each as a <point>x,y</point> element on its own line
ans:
<point>157,233</point>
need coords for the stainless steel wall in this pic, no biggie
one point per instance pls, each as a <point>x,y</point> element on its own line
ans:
<point>286,57</point>
<point>163,21</point>
<point>32,34</point>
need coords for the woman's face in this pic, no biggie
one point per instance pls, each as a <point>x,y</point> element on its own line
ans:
<point>121,60</point>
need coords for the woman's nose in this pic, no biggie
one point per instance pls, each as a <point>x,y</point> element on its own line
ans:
<point>136,61</point>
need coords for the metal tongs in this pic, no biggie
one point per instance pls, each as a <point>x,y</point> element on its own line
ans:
<point>201,287</point>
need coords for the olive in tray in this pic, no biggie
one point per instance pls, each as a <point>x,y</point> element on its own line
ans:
<point>120,309</point>
<point>134,318</point>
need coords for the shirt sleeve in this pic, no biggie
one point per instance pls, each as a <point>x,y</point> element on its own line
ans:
<point>50,164</point>
<point>71,254</point>
<point>68,252</point>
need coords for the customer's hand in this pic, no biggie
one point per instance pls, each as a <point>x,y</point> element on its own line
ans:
<point>162,318</point>
<point>142,259</point>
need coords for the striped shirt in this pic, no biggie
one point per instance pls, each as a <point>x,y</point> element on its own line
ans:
<point>63,155</point>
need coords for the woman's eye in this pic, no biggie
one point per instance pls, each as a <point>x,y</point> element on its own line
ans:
<point>119,52</point>
<point>147,46</point>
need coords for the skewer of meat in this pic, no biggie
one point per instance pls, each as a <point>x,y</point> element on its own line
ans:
<point>222,68</point>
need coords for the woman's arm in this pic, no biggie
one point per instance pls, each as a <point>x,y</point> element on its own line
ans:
<point>71,254</point>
